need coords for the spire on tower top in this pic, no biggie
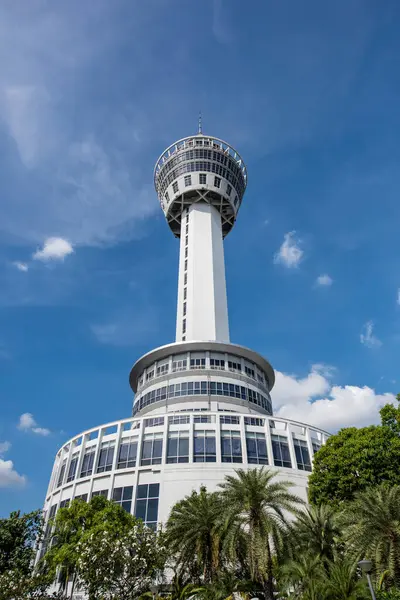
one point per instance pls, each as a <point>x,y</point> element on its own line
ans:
<point>200,124</point>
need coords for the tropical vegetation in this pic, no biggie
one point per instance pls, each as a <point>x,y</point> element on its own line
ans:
<point>250,538</point>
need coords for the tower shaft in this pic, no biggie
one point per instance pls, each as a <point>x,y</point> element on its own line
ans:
<point>202,309</point>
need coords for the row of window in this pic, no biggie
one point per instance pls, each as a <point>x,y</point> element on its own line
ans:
<point>204,450</point>
<point>185,269</point>
<point>203,388</point>
<point>185,158</point>
<point>146,506</point>
<point>217,364</point>
<point>237,182</point>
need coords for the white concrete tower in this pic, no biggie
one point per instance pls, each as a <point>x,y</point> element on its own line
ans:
<point>200,182</point>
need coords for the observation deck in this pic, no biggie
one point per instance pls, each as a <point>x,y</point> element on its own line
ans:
<point>200,168</point>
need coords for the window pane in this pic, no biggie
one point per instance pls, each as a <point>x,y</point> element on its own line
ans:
<point>154,490</point>
<point>117,494</point>
<point>142,491</point>
<point>127,493</point>
<point>140,511</point>
<point>126,505</point>
<point>152,510</point>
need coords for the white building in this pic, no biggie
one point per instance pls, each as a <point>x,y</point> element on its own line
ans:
<point>202,405</point>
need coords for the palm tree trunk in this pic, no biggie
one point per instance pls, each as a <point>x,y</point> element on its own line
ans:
<point>269,583</point>
<point>73,585</point>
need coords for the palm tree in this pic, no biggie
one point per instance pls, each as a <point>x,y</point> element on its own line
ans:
<point>303,578</point>
<point>315,531</point>
<point>256,507</point>
<point>193,534</point>
<point>373,529</point>
<point>343,582</point>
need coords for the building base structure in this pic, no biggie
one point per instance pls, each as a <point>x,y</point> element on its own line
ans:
<point>201,410</point>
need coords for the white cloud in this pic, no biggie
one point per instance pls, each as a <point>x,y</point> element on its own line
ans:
<point>324,280</point>
<point>8,475</point>
<point>28,423</point>
<point>290,253</point>
<point>54,248</point>
<point>4,447</point>
<point>21,266</point>
<point>316,401</point>
<point>398,296</point>
<point>367,336</point>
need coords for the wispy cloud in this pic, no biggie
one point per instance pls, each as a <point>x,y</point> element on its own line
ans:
<point>54,248</point>
<point>21,266</point>
<point>27,423</point>
<point>290,253</point>
<point>324,280</point>
<point>367,336</point>
<point>9,478</point>
<point>127,328</point>
<point>398,297</point>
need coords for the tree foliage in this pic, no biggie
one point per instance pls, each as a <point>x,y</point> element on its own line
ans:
<point>356,459</point>
<point>119,562</point>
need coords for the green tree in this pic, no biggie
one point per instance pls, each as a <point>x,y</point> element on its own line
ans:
<point>355,459</point>
<point>302,578</point>
<point>390,416</point>
<point>316,532</point>
<point>193,534</point>
<point>372,530</point>
<point>343,581</point>
<point>18,537</point>
<point>256,508</point>
<point>119,563</point>
<point>70,525</point>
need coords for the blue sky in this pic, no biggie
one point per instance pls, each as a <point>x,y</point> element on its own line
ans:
<point>90,95</point>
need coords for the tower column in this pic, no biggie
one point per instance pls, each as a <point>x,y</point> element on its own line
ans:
<point>202,309</point>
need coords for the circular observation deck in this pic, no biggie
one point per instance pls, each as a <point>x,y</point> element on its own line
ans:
<point>200,169</point>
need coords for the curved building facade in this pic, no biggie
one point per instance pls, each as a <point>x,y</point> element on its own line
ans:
<point>202,405</point>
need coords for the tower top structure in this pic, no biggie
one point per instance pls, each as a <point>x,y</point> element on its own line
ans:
<point>204,169</point>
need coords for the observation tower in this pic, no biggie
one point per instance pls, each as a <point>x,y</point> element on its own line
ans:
<point>202,405</point>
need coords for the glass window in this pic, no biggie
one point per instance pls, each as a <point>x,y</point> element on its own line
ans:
<point>167,196</point>
<point>185,279</point>
<point>72,468</point>
<point>184,309</point>
<point>106,457</point>
<point>103,493</point>
<point>179,365</point>
<point>152,449</point>
<point>127,453</point>
<point>229,420</point>
<point>197,363</point>
<point>231,446</point>
<point>315,446</point>
<point>62,473</point>
<point>147,503</point>
<point>184,326</point>
<point>280,448</point>
<point>81,497</point>
<point>250,372</point>
<point>202,178</point>
<point>64,503</point>
<point>204,419</point>
<point>184,292</point>
<point>217,363</point>
<point>175,187</point>
<point>188,180</point>
<point>302,455</point>
<point>228,189</point>
<point>256,448</point>
<point>179,420</point>
<point>178,447</point>
<point>162,369</point>
<point>204,446</point>
<point>154,421</point>
<point>234,366</point>
<point>123,497</point>
<point>217,182</point>
<point>255,421</point>
<point>87,463</point>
